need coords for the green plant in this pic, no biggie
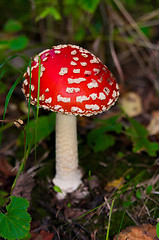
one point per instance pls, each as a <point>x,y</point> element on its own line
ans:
<point>15,223</point>
<point>104,136</point>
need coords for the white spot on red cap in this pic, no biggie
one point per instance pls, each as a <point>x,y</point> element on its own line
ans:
<point>93,96</point>
<point>76,80</point>
<point>96,70</point>
<point>74,46</point>
<point>61,110</point>
<point>114,94</point>
<point>63,71</point>
<point>28,71</point>
<point>56,107</point>
<point>48,100</point>
<point>84,55</point>
<point>45,107</point>
<point>73,63</point>
<point>110,81</point>
<point>72,90</point>
<point>87,72</point>
<point>83,64</point>
<point>73,52</point>
<point>36,59</point>
<point>92,106</point>
<point>100,79</point>
<point>32,87</point>
<point>58,47</point>
<point>76,109</point>
<point>106,90</point>
<point>117,86</point>
<point>104,108</point>
<point>82,98</point>
<point>57,51</point>
<point>94,60</point>
<point>47,50</point>
<point>25,82</point>
<point>25,74</point>
<point>76,70</point>
<point>42,97</point>
<point>42,70</point>
<point>35,66</point>
<point>63,99</point>
<point>44,59</point>
<point>46,90</point>
<point>92,84</point>
<point>75,58</point>
<point>110,101</point>
<point>102,96</point>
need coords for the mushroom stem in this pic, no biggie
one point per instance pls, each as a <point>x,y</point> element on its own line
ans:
<point>68,176</point>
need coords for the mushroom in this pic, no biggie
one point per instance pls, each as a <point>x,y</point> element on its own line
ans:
<point>73,82</point>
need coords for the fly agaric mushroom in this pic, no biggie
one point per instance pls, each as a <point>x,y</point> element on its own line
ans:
<point>72,82</point>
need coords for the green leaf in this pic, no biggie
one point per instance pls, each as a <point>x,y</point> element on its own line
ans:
<point>149,189</point>
<point>138,194</point>
<point>4,44</point>
<point>89,5</point>
<point>57,189</point>
<point>157,229</point>
<point>111,124</point>
<point>99,141</point>
<point>139,136</point>
<point>46,125</point>
<point>12,26</point>
<point>80,34</point>
<point>19,43</point>
<point>15,224</point>
<point>49,11</point>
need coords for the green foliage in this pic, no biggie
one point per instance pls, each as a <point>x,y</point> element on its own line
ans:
<point>99,139</point>
<point>89,5</point>
<point>139,136</point>
<point>15,224</point>
<point>57,189</point>
<point>18,43</point>
<point>3,199</point>
<point>49,11</point>
<point>12,25</point>
<point>138,194</point>
<point>157,229</point>
<point>149,189</point>
<point>46,125</point>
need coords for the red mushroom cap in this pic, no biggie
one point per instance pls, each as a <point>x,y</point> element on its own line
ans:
<point>72,81</point>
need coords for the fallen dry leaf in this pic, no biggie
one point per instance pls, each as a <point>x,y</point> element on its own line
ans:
<point>24,185</point>
<point>117,183</point>
<point>153,127</point>
<point>142,232</point>
<point>131,104</point>
<point>43,235</point>
<point>6,168</point>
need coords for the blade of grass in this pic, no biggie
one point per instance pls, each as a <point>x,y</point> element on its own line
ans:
<point>121,224</point>
<point>27,129</point>
<point>11,90</point>
<point>37,111</point>
<point>15,56</point>
<point>26,148</point>
<point>8,99</point>
<point>110,214</point>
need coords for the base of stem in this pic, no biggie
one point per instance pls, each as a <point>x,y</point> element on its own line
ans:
<point>69,184</point>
